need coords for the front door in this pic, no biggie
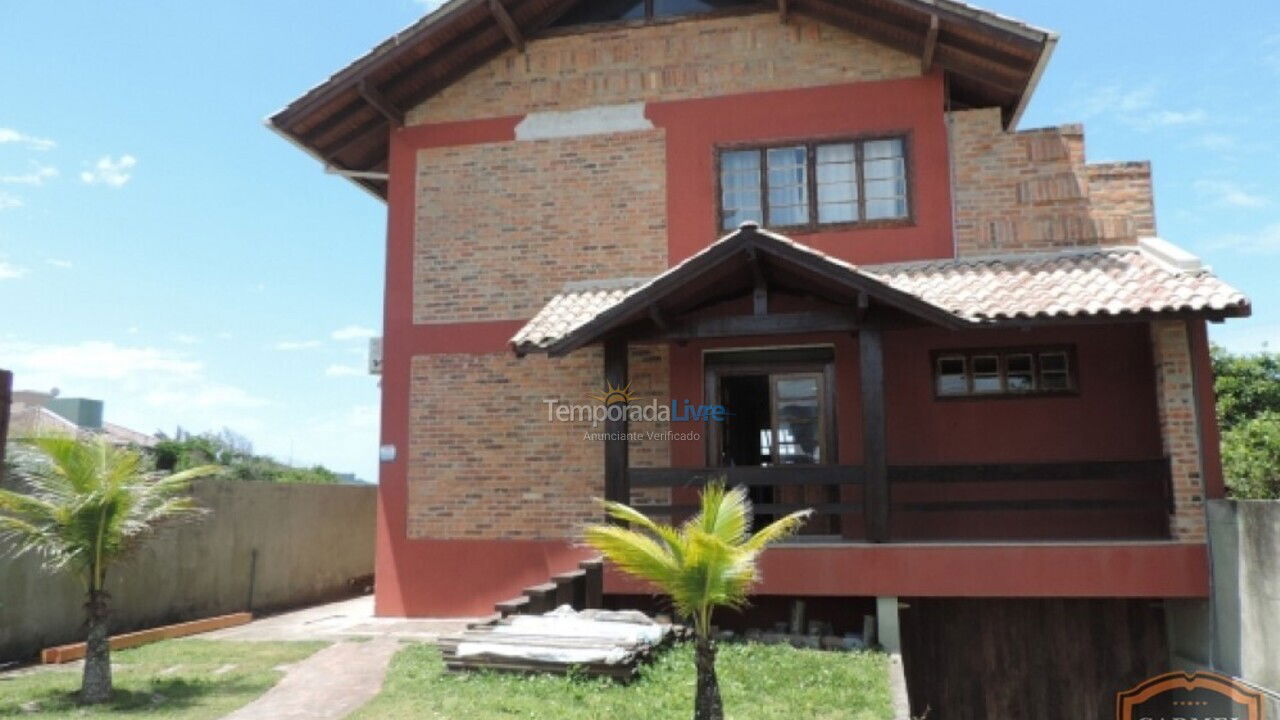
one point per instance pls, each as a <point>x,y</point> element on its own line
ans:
<point>780,412</point>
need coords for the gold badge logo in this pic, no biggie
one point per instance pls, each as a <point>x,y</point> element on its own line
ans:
<point>1189,696</point>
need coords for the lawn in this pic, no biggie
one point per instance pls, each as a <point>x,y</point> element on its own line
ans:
<point>186,679</point>
<point>757,681</point>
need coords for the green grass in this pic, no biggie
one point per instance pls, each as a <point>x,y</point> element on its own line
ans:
<point>186,679</point>
<point>756,681</point>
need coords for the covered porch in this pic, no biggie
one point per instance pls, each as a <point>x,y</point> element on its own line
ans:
<point>943,402</point>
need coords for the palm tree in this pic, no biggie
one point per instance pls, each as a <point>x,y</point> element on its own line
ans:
<point>86,505</point>
<point>708,562</point>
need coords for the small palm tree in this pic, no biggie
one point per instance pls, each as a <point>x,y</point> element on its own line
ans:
<point>86,505</point>
<point>708,562</point>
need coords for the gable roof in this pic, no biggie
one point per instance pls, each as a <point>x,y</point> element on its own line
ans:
<point>344,122</point>
<point>586,314</point>
<point>1070,286</point>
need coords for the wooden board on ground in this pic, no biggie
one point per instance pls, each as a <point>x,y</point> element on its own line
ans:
<point>75,651</point>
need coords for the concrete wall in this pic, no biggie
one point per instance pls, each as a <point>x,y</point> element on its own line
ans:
<point>1236,631</point>
<point>311,542</point>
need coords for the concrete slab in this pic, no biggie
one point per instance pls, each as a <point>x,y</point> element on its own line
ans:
<point>329,685</point>
<point>344,620</point>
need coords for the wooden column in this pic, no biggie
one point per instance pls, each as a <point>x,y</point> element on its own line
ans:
<point>6,400</point>
<point>616,485</point>
<point>875,492</point>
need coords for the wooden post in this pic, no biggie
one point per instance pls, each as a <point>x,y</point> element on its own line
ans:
<point>616,485</point>
<point>875,492</point>
<point>6,399</point>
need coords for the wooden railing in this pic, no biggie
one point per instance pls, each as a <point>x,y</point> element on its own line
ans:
<point>1035,501</point>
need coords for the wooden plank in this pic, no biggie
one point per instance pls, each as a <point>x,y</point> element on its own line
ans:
<point>6,400</point>
<point>930,45</point>
<point>594,581</point>
<point>761,323</point>
<point>75,651</point>
<point>875,465</point>
<point>1157,470</point>
<point>508,25</point>
<point>616,485</point>
<point>381,103</point>
<point>775,476</point>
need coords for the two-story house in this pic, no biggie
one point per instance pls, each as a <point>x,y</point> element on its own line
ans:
<point>636,244</point>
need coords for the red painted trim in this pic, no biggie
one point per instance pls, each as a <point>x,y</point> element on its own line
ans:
<point>1158,570</point>
<point>475,337</point>
<point>911,106</point>
<point>1206,406</point>
<point>463,132</point>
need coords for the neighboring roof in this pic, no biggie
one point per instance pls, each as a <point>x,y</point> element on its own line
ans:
<point>27,420</point>
<point>990,60</point>
<point>1074,285</point>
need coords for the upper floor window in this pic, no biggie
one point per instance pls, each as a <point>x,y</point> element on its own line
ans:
<point>813,184</point>
<point>958,373</point>
<point>603,11</point>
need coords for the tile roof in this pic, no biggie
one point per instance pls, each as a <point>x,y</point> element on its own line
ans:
<point>1076,284</point>
<point>576,303</point>
<point>1097,283</point>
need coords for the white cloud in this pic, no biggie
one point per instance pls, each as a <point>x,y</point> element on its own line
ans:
<point>187,339</point>
<point>1136,107</point>
<point>1225,192</point>
<point>8,201</point>
<point>35,176</point>
<point>290,345</point>
<point>114,173</point>
<point>1263,242</point>
<point>9,271</point>
<point>343,371</point>
<point>59,263</point>
<point>166,381</point>
<point>1217,142</point>
<point>354,332</point>
<point>1177,117</point>
<point>9,135</point>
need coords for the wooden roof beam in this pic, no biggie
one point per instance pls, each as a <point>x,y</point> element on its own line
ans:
<point>508,25</point>
<point>381,103</point>
<point>930,45</point>
<point>783,10</point>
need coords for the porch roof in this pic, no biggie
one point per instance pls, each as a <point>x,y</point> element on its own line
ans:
<point>1151,278</point>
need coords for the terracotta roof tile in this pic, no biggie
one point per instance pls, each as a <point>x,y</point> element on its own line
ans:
<point>1105,282</point>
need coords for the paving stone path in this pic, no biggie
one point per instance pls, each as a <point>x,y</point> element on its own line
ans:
<point>329,685</point>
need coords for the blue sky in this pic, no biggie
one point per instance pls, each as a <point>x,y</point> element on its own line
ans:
<point>161,250</point>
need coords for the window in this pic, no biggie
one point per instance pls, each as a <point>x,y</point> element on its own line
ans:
<point>813,184</point>
<point>972,373</point>
<point>604,11</point>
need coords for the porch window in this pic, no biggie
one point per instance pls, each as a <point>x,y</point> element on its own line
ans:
<point>811,185</point>
<point>1039,371</point>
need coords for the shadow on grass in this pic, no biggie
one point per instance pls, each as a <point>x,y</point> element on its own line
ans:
<point>160,696</point>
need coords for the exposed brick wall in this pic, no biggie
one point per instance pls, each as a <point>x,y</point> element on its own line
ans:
<point>1176,400</point>
<point>501,227</point>
<point>1032,191</point>
<point>484,461</point>
<point>697,57</point>
<point>1125,187</point>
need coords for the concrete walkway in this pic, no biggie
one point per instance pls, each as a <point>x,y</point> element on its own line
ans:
<point>326,686</point>
<point>340,678</point>
<point>343,620</point>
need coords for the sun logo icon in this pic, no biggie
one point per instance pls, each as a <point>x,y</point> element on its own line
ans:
<point>614,395</point>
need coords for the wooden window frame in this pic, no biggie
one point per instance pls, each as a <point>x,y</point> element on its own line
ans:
<point>1003,353</point>
<point>811,181</point>
<point>713,372</point>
